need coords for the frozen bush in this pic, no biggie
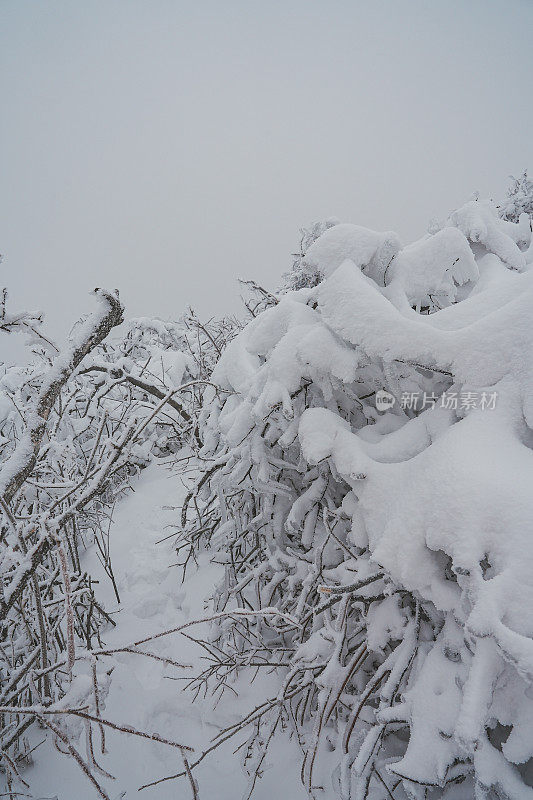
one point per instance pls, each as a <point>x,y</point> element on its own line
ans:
<point>389,544</point>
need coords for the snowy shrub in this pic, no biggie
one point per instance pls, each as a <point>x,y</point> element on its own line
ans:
<point>367,487</point>
<point>519,199</point>
<point>304,272</point>
<point>75,425</point>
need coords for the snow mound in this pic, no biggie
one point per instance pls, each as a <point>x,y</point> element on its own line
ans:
<point>364,247</point>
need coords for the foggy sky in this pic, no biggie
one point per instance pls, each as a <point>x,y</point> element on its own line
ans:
<point>166,148</point>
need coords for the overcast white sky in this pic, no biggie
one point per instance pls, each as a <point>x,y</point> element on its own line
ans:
<point>167,147</point>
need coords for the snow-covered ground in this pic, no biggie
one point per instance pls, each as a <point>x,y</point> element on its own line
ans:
<point>143,692</point>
